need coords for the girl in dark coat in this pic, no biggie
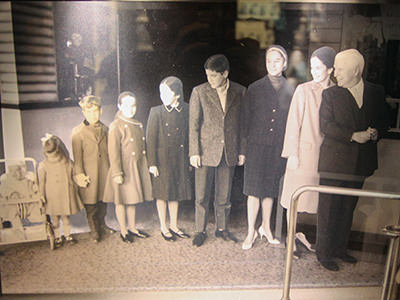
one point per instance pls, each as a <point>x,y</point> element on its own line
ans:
<point>267,104</point>
<point>167,146</point>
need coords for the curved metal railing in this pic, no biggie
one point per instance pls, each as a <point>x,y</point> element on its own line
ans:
<point>293,219</point>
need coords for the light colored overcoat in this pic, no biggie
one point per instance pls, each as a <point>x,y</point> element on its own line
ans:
<point>57,187</point>
<point>127,152</point>
<point>89,146</point>
<point>303,140</point>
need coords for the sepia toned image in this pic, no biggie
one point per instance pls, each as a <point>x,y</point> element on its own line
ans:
<point>232,149</point>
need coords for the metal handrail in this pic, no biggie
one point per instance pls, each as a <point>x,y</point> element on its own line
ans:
<point>293,219</point>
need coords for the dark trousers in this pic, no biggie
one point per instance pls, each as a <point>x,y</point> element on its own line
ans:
<point>334,219</point>
<point>95,214</point>
<point>222,177</point>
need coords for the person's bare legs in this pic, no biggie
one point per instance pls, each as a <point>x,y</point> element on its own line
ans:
<point>253,205</point>
<point>266,204</point>
<point>55,221</point>
<point>66,226</point>
<point>131,213</point>
<point>162,216</point>
<point>121,217</point>
<point>173,207</point>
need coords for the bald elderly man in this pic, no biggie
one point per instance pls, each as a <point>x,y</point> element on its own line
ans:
<point>353,116</point>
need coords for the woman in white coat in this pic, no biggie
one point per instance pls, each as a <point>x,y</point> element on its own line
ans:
<point>303,137</point>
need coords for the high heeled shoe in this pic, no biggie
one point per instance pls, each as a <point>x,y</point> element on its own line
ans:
<point>250,245</point>
<point>139,234</point>
<point>168,236</point>
<point>127,238</point>
<point>271,239</point>
<point>303,240</point>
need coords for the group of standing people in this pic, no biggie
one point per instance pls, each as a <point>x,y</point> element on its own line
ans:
<point>284,137</point>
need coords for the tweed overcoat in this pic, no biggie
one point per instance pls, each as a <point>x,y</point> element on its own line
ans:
<point>211,130</point>
<point>90,150</point>
<point>127,153</point>
<point>167,149</point>
<point>339,119</point>
<point>265,121</point>
<point>58,188</point>
<point>303,140</point>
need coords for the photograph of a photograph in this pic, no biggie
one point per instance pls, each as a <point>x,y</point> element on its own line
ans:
<point>189,149</point>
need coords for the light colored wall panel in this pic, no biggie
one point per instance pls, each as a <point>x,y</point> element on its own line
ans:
<point>8,68</point>
<point>8,77</point>
<point>6,47</point>
<point>12,133</point>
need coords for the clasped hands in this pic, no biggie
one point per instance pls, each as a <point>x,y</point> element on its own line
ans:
<point>362,137</point>
<point>195,160</point>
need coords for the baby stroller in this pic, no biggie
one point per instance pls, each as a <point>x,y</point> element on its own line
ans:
<point>22,212</point>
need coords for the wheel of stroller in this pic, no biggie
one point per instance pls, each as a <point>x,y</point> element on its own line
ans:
<point>50,235</point>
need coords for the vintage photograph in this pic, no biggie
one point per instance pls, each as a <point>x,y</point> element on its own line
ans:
<point>187,149</point>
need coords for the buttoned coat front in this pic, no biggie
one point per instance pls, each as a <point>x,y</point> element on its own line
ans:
<point>211,130</point>
<point>58,188</point>
<point>265,121</point>
<point>127,152</point>
<point>90,152</point>
<point>303,140</point>
<point>167,149</point>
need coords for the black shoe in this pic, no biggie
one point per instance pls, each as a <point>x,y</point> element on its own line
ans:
<point>348,258</point>
<point>199,239</point>
<point>226,235</point>
<point>128,238</point>
<point>330,265</point>
<point>180,234</point>
<point>168,238</point>
<point>139,234</point>
<point>296,254</point>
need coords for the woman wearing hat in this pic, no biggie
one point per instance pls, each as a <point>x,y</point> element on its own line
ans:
<point>303,137</point>
<point>266,107</point>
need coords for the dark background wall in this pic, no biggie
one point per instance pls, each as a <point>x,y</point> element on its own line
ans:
<point>156,40</point>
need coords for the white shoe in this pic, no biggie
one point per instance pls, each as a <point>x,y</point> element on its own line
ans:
<point>250,245</point>
<point>302,239</point>
<point>270,238</point>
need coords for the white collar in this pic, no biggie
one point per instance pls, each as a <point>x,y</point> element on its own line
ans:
<point>169,108</point>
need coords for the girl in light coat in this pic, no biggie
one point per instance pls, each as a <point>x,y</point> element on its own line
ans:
<point>128,181</point>
<point>57,187</point>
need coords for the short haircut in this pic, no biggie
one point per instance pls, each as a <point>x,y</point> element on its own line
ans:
<point>175,84</point>
<point>218,63</point>
<point>125,94</point>
<point>354,56</point>
<point>89,101</point>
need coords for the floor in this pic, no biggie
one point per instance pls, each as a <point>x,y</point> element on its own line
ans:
<point>153,266</point>
<point>354,293</point>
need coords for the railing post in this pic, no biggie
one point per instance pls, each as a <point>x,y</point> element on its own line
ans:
<point>393,232</point>
<point>293,217</point>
